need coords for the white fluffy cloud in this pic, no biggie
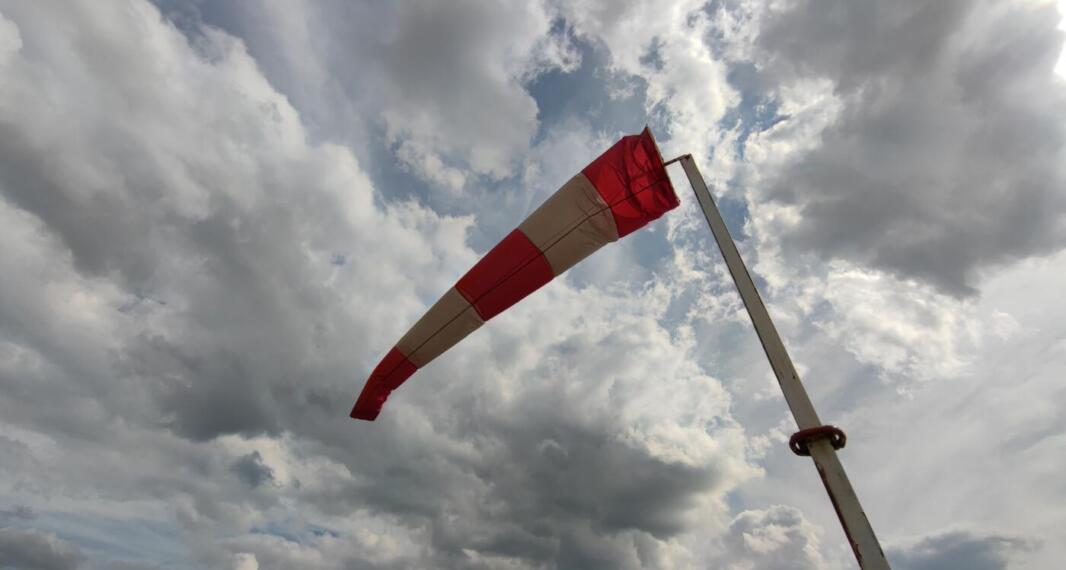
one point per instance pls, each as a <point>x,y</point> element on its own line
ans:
<point>776,538</point>
<point>663,43</point>
<point>34,550</point>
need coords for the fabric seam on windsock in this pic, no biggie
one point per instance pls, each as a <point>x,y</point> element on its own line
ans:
<point>578,190</point>
<point>514,272</point>
<point>458,312</point>
<point>542,252</point>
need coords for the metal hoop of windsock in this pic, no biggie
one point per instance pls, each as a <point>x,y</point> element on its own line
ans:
<point>623,190</point>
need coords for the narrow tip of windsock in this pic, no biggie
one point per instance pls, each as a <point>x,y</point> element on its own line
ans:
<point>362,413</point>
<point>392,371</point>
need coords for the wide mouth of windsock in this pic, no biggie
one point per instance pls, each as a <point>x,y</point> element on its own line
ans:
<point>658,164</point>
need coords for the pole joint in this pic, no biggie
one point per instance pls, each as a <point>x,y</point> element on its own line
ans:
<point>676,159</point>
<point>799,441</point>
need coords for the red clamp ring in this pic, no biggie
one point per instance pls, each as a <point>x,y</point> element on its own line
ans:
<point>799,440</point>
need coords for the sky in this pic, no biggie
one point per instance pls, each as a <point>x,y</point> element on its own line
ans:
<point>217,216</point>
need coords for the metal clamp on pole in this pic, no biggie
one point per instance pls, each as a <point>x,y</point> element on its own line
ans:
<point>799,440</point>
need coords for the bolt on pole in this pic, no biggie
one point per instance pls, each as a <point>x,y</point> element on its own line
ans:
<point>857,527</point>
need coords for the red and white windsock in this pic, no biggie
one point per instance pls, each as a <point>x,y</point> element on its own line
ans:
<point>621,191</point>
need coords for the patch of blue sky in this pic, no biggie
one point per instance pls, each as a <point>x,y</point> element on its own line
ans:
<point>715,40</point>
<point>279,530</point>
<point>322,531</point>
<point>395,181</point>
<point>615,104</point>
<point>757,110</point>
<point>605,100</point>
<point>735,213</point>
<point>296,532</point>
<point>591,96</point>
<point>186,16</point>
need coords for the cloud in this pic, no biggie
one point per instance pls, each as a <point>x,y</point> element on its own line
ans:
<point>940,162</point>
<point>36,550</point>
<point>777,538</point>
<point>662,44</point>
<point>16,513</point>
<point>187,272</point>
<point>444,82</point>
<point>245,561</point>
<point>122,565</point>
<point>251,469</point>
<point>475,49</point>
<point>959,550</point>
<point>237,217</point>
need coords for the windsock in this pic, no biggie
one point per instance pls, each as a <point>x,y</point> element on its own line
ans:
<point>618,193</point>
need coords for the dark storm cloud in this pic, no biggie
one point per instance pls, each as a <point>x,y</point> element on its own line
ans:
<point>582,472</point>
<point>16,513</point>
<point>407,68</point>
<point>959,551</point>
<point>947,157</point>
<point>546,477</point>
<point>95,228</point>
<point>251,470</point>
<point>170,225</point>
<point>35,550</point>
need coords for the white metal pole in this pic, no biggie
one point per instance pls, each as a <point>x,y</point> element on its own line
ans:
<point>846,503</point>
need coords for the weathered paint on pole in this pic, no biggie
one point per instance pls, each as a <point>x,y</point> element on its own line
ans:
<point>857,527</point>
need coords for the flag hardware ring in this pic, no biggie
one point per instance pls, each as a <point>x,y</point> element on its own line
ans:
<point>799,440</point>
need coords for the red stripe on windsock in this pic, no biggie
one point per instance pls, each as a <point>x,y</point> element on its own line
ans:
<point>392,371</point>
<point>508,272</point>
<point>631,178</point>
